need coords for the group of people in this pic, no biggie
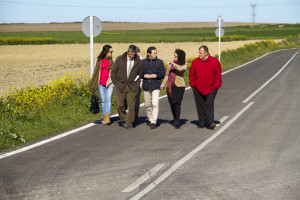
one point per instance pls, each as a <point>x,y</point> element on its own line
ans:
<point>130,73</point>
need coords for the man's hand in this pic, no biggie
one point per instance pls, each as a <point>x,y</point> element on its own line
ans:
<point>150,76</point>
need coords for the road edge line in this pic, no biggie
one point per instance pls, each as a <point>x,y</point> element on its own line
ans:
<point>268,81</point>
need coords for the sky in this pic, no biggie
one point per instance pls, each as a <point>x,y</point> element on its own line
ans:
<point>46,11</point>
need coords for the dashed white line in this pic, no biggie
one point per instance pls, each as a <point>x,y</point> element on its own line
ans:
<point>143,178</point>
<point>188,156</point>
<point>222,120</point>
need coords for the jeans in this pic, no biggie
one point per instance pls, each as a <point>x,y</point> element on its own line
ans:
<point>105,97</point>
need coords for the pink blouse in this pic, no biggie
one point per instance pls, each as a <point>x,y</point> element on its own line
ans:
<point>103,72</point>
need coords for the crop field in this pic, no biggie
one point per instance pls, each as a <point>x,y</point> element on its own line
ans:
<point>168,35</point>
<point>38,64</point>
<point>112,26</point>
<point>23,65</point>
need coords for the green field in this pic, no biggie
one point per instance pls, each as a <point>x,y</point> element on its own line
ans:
<point>279,31</point>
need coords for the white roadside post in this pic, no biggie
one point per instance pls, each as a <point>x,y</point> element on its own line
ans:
<point>92,43</point>
<point>91,27</point>
<point>219,32</point>
<point>219,38</point>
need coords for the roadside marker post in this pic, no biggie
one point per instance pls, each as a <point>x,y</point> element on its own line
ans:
<point>91,27</point>
<point>219,32</point>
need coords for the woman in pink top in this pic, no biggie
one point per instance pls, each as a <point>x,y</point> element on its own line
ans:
<point>101,81</point>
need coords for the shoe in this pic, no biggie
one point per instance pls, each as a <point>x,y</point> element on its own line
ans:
<point>122,124</point>
<point>149,124</point>
<point>106,120</point>
<point>173,124</point>
<point>201,126</point>
<point>177,124</point>
<point>153,126</point>
<point>129,127</point>
<point>212,126</point>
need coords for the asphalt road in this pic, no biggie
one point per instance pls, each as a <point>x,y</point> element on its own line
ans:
<point>253,154</point>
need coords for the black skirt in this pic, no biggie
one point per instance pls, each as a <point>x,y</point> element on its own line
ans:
<point>177,95</point>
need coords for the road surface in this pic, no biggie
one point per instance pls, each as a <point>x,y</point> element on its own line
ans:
<point>254,153</point>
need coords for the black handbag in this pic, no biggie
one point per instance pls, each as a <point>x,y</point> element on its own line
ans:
<point>94,108</point>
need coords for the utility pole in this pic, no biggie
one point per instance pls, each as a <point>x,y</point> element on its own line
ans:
<point>253,12</point>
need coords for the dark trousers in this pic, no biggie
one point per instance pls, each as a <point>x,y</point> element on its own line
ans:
<point>137,104</point>
<point>175,100</point>
<point>176,111</point>
<point>130,96</point>
<point>205,106</point>
<point>175,107</point>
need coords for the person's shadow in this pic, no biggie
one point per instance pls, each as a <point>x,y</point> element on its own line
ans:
<point>139,121</point>
<point>197,123</point>
<point>161,121</point>
<point>181,121</point>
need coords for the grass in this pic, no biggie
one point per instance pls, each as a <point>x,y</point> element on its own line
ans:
<point>33,113</point>
<point>279,31</point>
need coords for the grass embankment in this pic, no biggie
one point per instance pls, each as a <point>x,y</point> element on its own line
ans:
<point>259,32</point>
<point>32,113</point>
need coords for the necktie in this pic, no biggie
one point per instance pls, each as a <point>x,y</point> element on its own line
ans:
<point>129,68</point>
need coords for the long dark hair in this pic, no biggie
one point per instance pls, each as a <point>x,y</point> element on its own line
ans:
<point>104,51</point>
<point>181,56</point>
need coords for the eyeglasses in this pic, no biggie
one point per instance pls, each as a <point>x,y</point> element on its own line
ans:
<point>175,56</point>
<point>110,51</point>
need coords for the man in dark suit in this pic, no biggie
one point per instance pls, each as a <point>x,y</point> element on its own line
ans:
<point>126,75</point>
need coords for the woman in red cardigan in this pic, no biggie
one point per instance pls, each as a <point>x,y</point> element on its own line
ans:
<point>101,81</point>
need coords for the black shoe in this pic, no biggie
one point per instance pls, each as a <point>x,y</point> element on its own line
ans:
<point>129,127</point>
<point>122,124</point>
<point>173,124</point>
<point>201,126</point>
<point>177,124</point>
<point>212,126</point>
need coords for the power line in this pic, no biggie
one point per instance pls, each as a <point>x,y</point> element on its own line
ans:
<point>120,7</point>
<point>146,7</point>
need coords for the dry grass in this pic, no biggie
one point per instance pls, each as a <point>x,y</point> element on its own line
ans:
<point>38,64</point>
<point>113,26</point>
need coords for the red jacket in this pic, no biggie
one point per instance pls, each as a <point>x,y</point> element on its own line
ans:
<point>205,75</point>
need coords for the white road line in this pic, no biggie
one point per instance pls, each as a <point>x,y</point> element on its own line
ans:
<point>246,63</point>
<point>188,156</point>
<point>49,140</point>
<point>266,83</point>
<point>222,120</point>
<point>143,178</point>
<point>161,97</point>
